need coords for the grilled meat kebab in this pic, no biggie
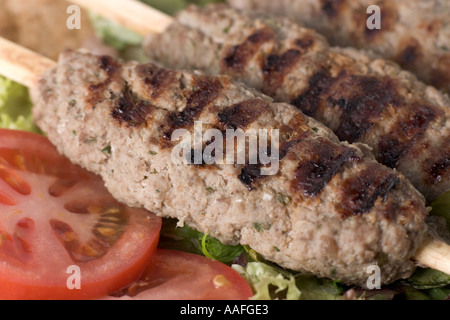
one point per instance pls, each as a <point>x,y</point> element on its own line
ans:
<point>414,33</point>
<point>331,209</point>
<point>361,98</point>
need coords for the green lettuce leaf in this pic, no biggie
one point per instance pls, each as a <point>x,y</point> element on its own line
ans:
<point>214,249</point>
<point>441,207</point>
<point>426,278</point>
<point>171,7</point>
<point>113,34</point>
<point>15,107</point>
<point>439,293</point>
<point>268,282</point>
<point>187,239</point>
<point>314,288</point>
<point>168,6</point>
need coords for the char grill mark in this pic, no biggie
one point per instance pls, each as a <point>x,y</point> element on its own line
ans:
<point>362,99</point>
<point>405,133</point>
<point>108,64</point>
<point>439,169</point>
<point>305,43</point>
<point>290,135</point>
<point>286,146</point>
<point>131,110</point>
<point>238,116</point>
<point>157,79</point>
<point>239,55</point>
<point>360,193</point>
<point>96,91</point>
<point>249,175</point>
<point>276,67</point>
<point>319,84</point>
<point>205,91</point>
<point>241,115</point>
<point>326,160</point>
<point>409,54</point>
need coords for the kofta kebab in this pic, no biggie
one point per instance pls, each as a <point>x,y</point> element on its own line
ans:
<point>361,98</point>
<point>342,211</point>
<point>413,33</point>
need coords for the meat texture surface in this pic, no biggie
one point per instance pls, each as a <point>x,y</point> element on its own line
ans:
<point>414,33</point>
<point>360,97</point>
<point>331,209</point>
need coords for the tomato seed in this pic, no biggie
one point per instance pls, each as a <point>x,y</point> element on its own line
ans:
<point>18,245</point>
<point>89,251</point>
<point>221,281</point>
<point>106,232</point>
<point>19,161</point>
<point>113,210</point>
<point>60,187</point>
<point>94,209</point>
<point>14,180</point>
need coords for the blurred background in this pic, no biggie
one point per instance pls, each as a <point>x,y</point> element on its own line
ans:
<point>40,25</point>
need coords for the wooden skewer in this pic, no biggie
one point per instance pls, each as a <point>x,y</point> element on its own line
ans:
<point>20,64</point>
<point>131,14</point>
<point>434,254</point>
<point>27,67</point>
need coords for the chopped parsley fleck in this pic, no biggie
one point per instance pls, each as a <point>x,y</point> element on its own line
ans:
<point>90,140</point>
<point>153,153</point>
<point>210,189</point>
<point>283,199</point>
<point>261,226</point>
<point>107,150</point>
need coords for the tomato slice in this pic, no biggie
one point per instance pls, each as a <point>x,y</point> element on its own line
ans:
<point>177,275</point>
<point>62,235</point>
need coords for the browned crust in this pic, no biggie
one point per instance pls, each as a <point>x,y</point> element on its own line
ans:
<point>325,161</point>
<point>239,55</point>
<point>360,193</point>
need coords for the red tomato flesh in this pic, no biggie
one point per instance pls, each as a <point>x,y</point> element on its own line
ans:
<point>176,275</point>
<point>56,216</point>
